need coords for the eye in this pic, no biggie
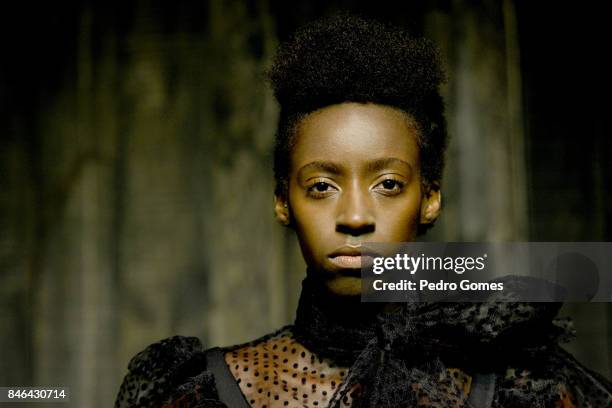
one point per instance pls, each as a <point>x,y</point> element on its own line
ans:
<point>390,186</point>
<point>320,189</point>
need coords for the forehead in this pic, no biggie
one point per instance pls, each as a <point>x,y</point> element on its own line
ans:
<point>354,133</point>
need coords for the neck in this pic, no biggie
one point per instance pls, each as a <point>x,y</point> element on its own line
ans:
<point>333,326</point>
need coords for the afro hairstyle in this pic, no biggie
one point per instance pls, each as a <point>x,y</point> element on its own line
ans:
<point>346,58</point>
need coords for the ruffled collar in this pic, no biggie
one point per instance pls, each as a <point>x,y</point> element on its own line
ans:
<point>414,342</point>
<point>333,328</point>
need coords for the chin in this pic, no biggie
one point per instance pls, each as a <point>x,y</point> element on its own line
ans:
<point>344,285</point>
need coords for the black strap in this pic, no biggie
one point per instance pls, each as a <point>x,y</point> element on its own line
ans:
<point>482,391</point>
<point>229,391</point>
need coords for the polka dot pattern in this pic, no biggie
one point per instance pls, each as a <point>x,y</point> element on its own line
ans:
<point>280,372</point>
<point>277,371</point>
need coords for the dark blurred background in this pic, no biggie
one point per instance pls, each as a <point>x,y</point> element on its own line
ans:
<point>135,167</point>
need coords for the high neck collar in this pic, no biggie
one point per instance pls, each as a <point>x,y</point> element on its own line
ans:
<point>413,344</point>
<point>332,326</point>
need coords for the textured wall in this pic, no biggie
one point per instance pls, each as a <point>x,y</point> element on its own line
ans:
<point>136,188</point>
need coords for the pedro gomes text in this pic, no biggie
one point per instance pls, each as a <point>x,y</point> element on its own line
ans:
<point>412,264</point>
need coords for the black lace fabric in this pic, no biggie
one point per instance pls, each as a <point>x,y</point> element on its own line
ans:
<point>278,371</point>
<point>171,371</point>
<point>402,358</point>
<point>360,355</point>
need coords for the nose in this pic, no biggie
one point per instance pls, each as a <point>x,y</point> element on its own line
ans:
<point>355,215</point>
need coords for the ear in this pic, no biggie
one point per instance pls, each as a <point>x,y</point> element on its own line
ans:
<point>431,203</point>
<point>281,209</point>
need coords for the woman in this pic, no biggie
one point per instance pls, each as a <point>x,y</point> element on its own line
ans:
<point>358,158</point>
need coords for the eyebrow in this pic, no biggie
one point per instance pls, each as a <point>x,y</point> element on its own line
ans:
<point>380,164</point>
<point>371,166</point>
<point>327,166</point>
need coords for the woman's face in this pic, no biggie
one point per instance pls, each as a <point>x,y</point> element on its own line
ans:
<point>355,178</point>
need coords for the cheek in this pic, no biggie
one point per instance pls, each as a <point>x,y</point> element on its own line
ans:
<point>312,223</point>
<point>399,222</point>
<point>314,237</point>
<point>400,229</point>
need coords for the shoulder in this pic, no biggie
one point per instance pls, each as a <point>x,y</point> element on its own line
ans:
<point>170,369</point>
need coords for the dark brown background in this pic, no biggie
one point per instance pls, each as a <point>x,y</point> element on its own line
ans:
<point>135,181</point>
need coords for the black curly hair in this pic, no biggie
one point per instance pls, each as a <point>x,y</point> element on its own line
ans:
<point>346,58</point>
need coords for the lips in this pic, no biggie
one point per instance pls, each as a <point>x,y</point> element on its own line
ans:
<point>346,257</point>
<point>347,261</point>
